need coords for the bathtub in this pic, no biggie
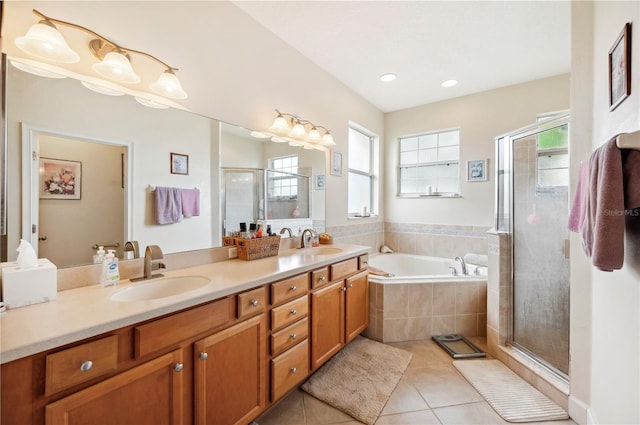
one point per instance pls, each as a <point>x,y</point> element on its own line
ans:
<point>421,297</point>
<point>407,268</point>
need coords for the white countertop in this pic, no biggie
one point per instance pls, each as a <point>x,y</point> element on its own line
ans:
<point>81,313</point>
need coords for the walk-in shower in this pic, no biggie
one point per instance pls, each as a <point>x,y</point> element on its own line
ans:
<point>532,206</point>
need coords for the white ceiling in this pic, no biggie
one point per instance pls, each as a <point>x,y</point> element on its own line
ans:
<point>482,44</point>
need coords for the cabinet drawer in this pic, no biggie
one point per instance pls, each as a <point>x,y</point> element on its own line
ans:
<point>251,302</point>
<point>363,261</point>
<point>171,330</point>
<point>289,312</point>
<point>289,369</point>
<point>319,277</point>
<point>344,268</point>
<point>289,336</point>
<point>289,289</point>
<point>79,364</point>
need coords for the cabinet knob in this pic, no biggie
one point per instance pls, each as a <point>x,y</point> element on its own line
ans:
<point>322,278</point>
<point>294,312</point>
<point>365,263</point>
<point>351,285</point>
<point>344,289</point>
<point>294,369</point>
<point>86,366</point>
<point>254,303</point>
<point>178,367</point>
<point>203,356</point>
<point>294,288</point>
<point>294,336</point>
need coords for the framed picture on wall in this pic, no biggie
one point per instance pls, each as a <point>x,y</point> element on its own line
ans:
<point>320,182</point>
<point>179,163</point>
<point>336,163</point>
<point>60,179</point>
<point>477,170</point>
<point>620,68</point>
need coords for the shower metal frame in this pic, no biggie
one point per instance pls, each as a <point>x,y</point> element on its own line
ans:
<point>559,119</point>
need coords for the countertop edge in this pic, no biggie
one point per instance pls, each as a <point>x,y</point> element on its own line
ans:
<point>164,308</point>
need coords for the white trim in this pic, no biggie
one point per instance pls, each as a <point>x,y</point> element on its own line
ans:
<point>579,411</point>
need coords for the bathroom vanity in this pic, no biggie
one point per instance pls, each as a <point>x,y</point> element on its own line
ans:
<point>221,354</point>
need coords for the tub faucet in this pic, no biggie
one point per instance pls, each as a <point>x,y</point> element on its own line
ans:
<point>463,266</point>
<point>304,242</point>
<point>152,254</point>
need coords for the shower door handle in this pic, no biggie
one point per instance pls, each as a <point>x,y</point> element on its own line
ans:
<point>567,249</point>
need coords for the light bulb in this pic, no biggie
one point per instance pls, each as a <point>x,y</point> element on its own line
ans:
<point>168,85</point>
<point>45,42</point>
<point>298,131</point>
<point>327,140</point>
<point>280,125</point>
<point>116,66</point>
<point>314,135</point>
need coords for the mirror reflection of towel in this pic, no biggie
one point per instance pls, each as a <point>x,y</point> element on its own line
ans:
<point>190,202</point>
<point>168,205</point>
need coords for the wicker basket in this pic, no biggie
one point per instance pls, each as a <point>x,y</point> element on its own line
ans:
<point>252,249</point>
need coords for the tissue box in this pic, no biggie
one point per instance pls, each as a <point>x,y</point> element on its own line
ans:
<point>22,287</point>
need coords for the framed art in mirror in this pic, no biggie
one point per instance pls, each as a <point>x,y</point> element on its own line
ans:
<point>60,179</point>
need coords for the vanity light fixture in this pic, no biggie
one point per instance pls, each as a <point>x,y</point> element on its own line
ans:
<point>35,70</point>
<point>294,131</point>
<point>44,41</point>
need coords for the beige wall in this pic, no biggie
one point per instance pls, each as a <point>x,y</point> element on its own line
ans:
<point>605,308</point>
<point>481,117</point>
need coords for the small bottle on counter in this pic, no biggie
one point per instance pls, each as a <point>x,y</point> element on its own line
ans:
<point>98,258</point>
<point>243,231</point>
<point>259,231</point>
<point>110,273</point>
<point>252,230</point>
<point>269,232</point>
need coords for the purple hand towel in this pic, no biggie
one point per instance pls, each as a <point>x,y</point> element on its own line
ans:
<point>579,206</point>
<point>190,202</point>
<point>168,205</point>
<point>603,232</point>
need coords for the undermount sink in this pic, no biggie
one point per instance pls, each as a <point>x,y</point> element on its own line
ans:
<point>321,251</point>
<point>160,288</point>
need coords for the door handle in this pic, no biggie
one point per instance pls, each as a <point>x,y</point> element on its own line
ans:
<point>42,238</point>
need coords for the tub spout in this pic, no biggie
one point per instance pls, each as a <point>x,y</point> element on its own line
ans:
<point>463,266</point>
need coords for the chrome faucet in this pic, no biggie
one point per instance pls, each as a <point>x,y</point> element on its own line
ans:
<point>304,242</point>
<point>286,229</point>
<point>152,254</point>
<point>462,264</point>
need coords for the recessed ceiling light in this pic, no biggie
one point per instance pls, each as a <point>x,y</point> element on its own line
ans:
<point>387,77</point>
<point>449,83</point>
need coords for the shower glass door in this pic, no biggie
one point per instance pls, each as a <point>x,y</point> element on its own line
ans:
<point>540,177</point>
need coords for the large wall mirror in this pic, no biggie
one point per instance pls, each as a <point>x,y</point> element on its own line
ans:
<point>115,151</point>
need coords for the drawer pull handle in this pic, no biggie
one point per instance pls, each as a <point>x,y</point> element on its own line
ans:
<point>203,356</point>
<point>344,289</point>
<point>294,312</point>
<point>86,366</point>
<point>294,369</point>
<point>365,263</point>
<point>351,285</point>
<point>294,288</point>
<point>294,336</point>
<point>178,367</point>
<point>254,303</point>
<point>322,278</point>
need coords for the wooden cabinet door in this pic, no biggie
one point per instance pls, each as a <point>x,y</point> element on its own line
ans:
<point>327,323</point>
<point>151,393</point>
<point>230,374</point>
<point>357,305</point>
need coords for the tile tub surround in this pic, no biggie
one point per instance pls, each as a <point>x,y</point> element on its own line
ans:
<point>436,240</point>
<point>406,312</point>
<point>365,232</point>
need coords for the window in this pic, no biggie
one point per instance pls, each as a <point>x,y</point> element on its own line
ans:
<point>430,164</point>
<point>361,173</point>
<point>553,158</point>
<point>283,184</point>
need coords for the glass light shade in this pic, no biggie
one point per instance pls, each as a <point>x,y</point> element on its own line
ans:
<point>168,85</point>
<point>314,135</point>
<point>35,70</point>
<point>298,131</point>
<point>117,67</point>
<point>259,135</point>
<point>278,140</point>
<point>327,140</point>
<point>280,125</point>
<point>101,89</point>
<point>150,103</point>
<point>45,42</point>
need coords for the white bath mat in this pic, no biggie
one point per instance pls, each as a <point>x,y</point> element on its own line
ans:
<point>509,395</point>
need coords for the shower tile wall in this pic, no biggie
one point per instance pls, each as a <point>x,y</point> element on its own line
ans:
<point>436,240</point>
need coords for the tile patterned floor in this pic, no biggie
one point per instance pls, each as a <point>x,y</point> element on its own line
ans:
<point>431,392</point>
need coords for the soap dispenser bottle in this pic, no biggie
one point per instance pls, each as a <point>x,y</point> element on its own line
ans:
<point>110,273</point>
<point>98,258</point>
